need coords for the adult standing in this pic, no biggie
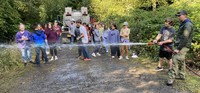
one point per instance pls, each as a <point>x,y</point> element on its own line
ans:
<point>183,43</point>
<point>23,38</point>
<point>84,39</point>
<point>52,38</point>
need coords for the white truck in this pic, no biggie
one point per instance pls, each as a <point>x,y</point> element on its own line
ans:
<point>70,14</point>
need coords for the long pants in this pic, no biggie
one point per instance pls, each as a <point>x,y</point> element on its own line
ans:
<point>79,50</point>
<point>59,40</point>
<point>97,47</point>
<point>37,50</point>
<point>72,39</point>
<point>53,49</point>
<point>105,41</point>
<point>26,54</point>
<point>46,48</point>
<point>178,67</point>
<point>114,50</point>
<point>85,51</point>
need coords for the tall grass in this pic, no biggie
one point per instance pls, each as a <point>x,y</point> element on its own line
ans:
<point>10,58</point>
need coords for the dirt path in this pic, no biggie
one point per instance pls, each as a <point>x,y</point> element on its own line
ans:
<point>101,74</point>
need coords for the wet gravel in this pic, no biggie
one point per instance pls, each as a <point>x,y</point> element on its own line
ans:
<point>100,75</point>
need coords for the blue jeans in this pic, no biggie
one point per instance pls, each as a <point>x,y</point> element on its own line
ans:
<point>85,51</point>
<point>97,47</point>
<point>26,52</point>
<point>37,50</point>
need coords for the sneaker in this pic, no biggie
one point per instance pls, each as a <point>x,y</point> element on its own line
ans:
<point>159,69</point>
<point>134,56</point>
<point>107,51</point>
<point>25,64</point>
<point>120,57</point>
<point>127,57</point>
<point>47,52</point>
<point>170,82</point>
<point>86,59</point>
<point>31,62</point>
<point>46,63</point>
<point>51,59</point>
<point>59,48</point>
<point>93,54</point>
<point>98,54</point>
<point>113,56</point>
<point>56,57</point>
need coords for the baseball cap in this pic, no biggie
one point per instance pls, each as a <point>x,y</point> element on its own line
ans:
<point>181,12</point>
<point>125,24</point>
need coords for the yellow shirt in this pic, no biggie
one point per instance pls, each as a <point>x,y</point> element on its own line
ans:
<point>124,33</point>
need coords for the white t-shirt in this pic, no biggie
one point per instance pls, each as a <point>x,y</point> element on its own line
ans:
<point>84,31</point>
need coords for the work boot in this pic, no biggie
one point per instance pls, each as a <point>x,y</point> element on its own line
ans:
<point>170,82</point>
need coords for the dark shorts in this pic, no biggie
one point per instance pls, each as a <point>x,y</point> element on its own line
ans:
<point>167,55</point>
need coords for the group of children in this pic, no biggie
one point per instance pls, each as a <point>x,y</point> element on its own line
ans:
<point>99,33</point>
<point>48,37</point>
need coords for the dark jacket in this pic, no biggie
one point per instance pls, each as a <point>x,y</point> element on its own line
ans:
<point>184,35</point>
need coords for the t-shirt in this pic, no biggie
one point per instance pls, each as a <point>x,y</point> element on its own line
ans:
<point>125,32</point>
<point>83,31</point>
<point>167,33</point>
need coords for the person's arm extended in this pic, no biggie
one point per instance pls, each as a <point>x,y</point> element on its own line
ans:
<point>157,38</point>
<point>166,41</point>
